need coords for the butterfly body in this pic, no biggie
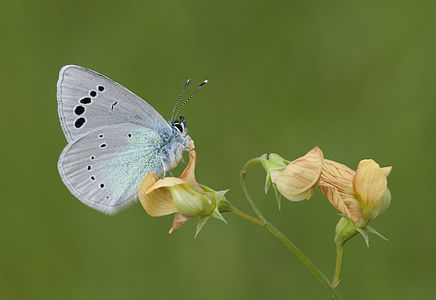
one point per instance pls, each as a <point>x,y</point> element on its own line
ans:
<point>114,139</point>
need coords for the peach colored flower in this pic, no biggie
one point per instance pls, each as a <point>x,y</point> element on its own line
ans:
<point>297,181</point>
<point>294,180</point>
<point>182,196</point>
<point>361,195</point>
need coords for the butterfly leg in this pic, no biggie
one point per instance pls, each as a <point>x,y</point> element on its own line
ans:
<point>189,150</point>
<point>163,167</point>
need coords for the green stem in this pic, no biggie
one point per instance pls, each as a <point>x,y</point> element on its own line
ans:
<point>282,238</point>
<point>339,251</point>
<point>245,216</point>
<point>245,190</point>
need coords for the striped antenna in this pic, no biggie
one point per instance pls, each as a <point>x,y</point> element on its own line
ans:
<point>186,101</point>
<point>178,99</point>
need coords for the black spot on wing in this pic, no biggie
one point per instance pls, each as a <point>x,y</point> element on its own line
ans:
<point>79,110</point>
<point>79,122</point>
<point>85,100</point>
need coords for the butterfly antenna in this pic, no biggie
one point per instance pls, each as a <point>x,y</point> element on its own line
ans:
<point>186,101</point>
<point>178,99</point>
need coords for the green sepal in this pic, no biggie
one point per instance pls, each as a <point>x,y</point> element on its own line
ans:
<point>221,204</point>
<point>220,195</point>
<point>364,234</point>
<point>272,161</point>
<point>278,197</point>
<point>224,205</point>
<point>372,230</point>
<point>267,182</point>
<point>200,224</point>
<point>217,215</point>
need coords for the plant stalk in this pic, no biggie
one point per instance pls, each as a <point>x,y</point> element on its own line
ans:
<point>339,251</point>
<point>283,238</point>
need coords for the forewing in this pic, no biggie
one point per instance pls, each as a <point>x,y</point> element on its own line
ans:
<point>104,168</point>
<point>88,100</point>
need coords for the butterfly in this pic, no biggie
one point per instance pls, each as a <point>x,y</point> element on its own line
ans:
<point>114,139</point>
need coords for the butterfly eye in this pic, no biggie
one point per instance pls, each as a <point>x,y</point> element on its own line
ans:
<point>179,126</point>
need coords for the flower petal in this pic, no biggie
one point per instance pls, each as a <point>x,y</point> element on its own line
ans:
<point>343,202</point>
<point>179,220</point>
<point>336,184</point>
<point>165,182</point>
<point>300,175</point>
<point>369,182</point>
<point>156,202</point>
<point>386,170</point>
<point>336,175</point>
<point>188,174</point>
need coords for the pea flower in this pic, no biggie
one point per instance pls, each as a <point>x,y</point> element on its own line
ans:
<point>294,180</point>
<point>361,195</point>
<point>182,196</point>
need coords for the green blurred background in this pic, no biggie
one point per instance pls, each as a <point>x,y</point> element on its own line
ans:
<point>356,78</point>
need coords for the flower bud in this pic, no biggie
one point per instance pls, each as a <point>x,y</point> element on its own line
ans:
<point>345,230</point>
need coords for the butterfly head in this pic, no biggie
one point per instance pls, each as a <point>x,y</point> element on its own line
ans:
<point>180,125</point>
<point>178,141</point>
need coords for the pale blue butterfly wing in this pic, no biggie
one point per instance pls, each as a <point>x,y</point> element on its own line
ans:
<point>87,100</point>
<point>115,139</point>
<point>104,168</point>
